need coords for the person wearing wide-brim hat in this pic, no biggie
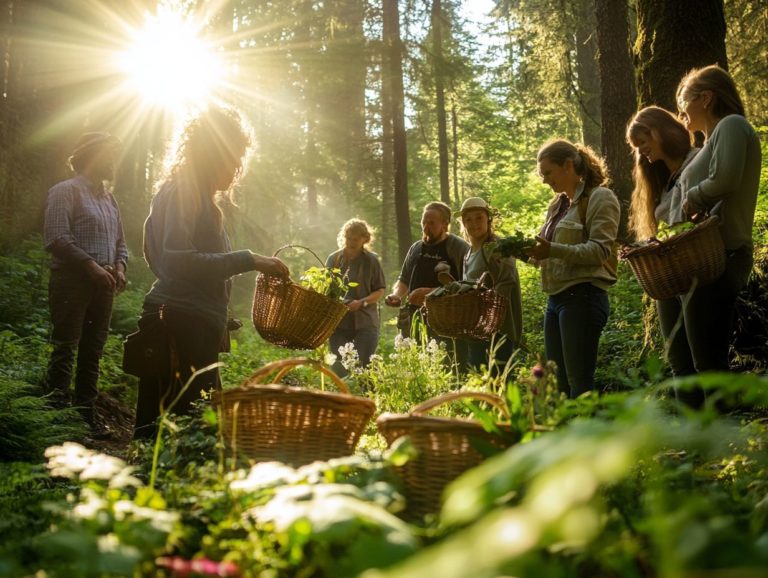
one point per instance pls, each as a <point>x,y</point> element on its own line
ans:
<point>477,226</point>
<point>84,234</point>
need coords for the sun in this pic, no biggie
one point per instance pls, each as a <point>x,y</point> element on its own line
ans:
<point>168,65</point>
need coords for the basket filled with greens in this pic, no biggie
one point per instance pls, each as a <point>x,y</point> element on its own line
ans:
<point>466,310</point>
<point>299,315</point>
<point>666,265</point>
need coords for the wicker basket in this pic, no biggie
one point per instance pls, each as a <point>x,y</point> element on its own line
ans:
<point>476,314</point>
<point>292,316</point>
<point>445,448</point>
<point>667,268</point>
<point>291,424</point>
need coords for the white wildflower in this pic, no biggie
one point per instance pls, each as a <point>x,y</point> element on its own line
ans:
<point>330,358</point>
<point>101,467</point>
<point>264,475</point>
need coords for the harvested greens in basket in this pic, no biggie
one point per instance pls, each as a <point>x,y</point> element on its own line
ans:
<point>329,282</point>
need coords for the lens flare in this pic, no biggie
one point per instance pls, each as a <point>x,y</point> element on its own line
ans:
<point>169,65</point>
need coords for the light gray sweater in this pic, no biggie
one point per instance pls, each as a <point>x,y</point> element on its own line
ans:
<point>727,168</point>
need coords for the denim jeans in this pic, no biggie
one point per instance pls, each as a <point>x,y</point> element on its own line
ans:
<point>365,341</point>
<point>703,339</point>
<point>197,344</point>
<point>80,316</point>
<point>574,320</point>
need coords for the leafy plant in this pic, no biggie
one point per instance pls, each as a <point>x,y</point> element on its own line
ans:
<point>512,246</point>
<point>327,281</point>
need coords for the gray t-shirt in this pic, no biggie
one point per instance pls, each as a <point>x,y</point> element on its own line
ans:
<point>366,271</point>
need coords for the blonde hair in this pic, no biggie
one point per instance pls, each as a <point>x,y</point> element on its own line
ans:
<point>586,162</point>
<point>716,80</point>
<point>649,178</point>
<point>357,226</point>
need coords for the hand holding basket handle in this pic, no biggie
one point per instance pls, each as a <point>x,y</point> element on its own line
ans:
<point>271,266</point>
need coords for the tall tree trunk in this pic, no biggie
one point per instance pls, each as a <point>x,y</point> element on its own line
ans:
<point>439,75</point>
<point>617,95</point>
<point>455,135</point>
<point>672,38</point>
<point>587,73</point>
<point>387,169</point>
<point>394,70</point>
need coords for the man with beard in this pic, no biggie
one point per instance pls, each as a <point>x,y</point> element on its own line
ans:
<point>439,252</point>
<point>84,234</point>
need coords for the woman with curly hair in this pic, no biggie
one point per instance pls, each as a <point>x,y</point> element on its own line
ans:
<point>188,250</point>
<point>576,252</point>
<point>362,267</point>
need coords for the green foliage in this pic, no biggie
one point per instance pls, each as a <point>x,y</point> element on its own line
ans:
<point>327,281</point>
<point>28,424</point>
<point>633,487</point>
<point>512,246</point>
<point>416,370</point>
<point>24,288</point>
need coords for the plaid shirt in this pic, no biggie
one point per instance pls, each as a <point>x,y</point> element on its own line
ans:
<point>82,222</point>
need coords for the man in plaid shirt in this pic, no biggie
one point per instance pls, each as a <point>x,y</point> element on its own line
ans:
<point>84,234</point>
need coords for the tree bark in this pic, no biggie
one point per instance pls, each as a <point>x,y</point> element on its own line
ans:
<point>587,72</point>
<point>394,75</point>
<point>673,38</point>
<point>439,75</point>
<point>617,96</point>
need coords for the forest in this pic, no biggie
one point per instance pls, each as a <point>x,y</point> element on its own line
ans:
<point>372,109</point>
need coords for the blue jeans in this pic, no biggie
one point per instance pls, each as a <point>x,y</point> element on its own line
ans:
<point>574,320</point>
<point>80,316</point>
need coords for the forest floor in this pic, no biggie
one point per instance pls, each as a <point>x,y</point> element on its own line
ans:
<point>115,420</point>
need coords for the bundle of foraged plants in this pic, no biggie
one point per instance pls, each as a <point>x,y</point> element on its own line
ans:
<point>513,245</point>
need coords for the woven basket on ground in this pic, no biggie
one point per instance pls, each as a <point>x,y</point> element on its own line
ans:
<point>476,314</point>
<point>291,424</point>
<point>667,268</point>
<point>289,315</point>
<point>447,447</point>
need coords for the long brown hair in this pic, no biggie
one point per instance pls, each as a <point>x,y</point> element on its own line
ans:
<point>649,178</point>
<point>586,162</point>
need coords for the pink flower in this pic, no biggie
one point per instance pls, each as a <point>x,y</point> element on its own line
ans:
<point>181,568</point>
<point>537,371</point>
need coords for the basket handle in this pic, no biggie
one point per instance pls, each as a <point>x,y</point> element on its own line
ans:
<point>290,246</point>
<point>283,366</point>
<point>491,398</point>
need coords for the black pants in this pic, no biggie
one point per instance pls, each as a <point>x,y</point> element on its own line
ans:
<point>197,344</point>
<point>703,340</point>
<point>80,316</point>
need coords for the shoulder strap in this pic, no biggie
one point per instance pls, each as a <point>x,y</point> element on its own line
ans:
<point>583,205</point>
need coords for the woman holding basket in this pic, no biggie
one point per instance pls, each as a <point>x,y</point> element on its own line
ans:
<point>662,149</point>
<point>726,173</point>
<point>477,228</point>
<point>575,250</point>
<point>188,250</point>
